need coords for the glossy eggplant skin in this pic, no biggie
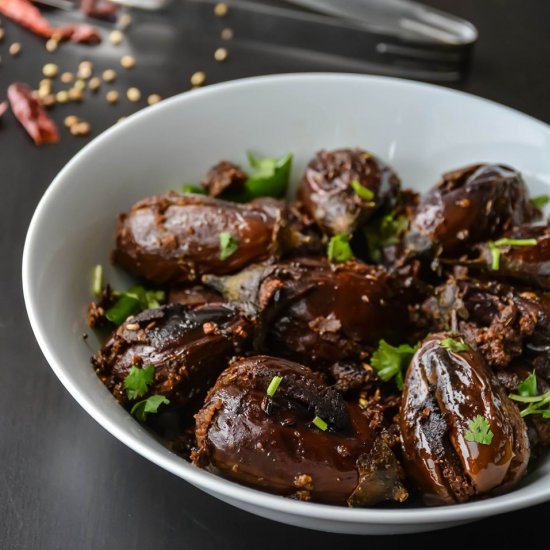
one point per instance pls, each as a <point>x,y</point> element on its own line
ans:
<point>188,346</point>
<point>327,194</point>
<point>271,442</point>
<point>319,313</point>
<point>469,205</point>
<point>444,391</point>
<point>529,265</point>
<point>175,238</point>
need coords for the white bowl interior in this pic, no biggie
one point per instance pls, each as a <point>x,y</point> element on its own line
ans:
<point>420,130</point>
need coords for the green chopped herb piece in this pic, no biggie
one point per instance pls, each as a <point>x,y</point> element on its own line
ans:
<point>391,362</point>
<point>536,404</point>
<point>320,423</point>
<point>540,202</point>
<point>503,243</point>
<point>363,192</point>
<point>274,385</point>
<point>454,345</point>
<point>479,431</point>
<point>339,249</point>
<point>495,257</point>
<point>132,301</point>
<point>197,189</point>
<point>228,245</point>
<point>384,231</point>
<point>269,178</point>
<point>528,388</point>
<point>138,380</point>
<point>97,281</point>
<point>148,406</point>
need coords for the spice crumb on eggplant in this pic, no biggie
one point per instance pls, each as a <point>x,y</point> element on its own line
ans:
<point>361,345</point>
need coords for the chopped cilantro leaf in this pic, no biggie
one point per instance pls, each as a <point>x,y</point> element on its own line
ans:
<point>479,431</point>
<point>391,362</point>
<point>228,245</point>
<point>133,301</point>
<point>320,423</point>
<point>528,388</point>
<point>454,345</point>
<point>150,405</point>
<point>363,192</point>
<point>540,202</point>
<point>339,249</point>
<point>274,385</point>
<point>138,380</point>
<point>197,189</point>
<point>384,231</point>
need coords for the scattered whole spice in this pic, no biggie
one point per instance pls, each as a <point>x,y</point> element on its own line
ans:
<point>153,99</point>
<point>111,96</point>
<point>227,34</point>
<point>198,78</point>
<point>127,61</point>
<point>15,49</point>
<point>70,120</point>
<point>81,128</point>
<point>94,84</point>
<point>80,84</point>
<point>66,77</point>
<point>85,70</point>
<point>116,37</point>
<point>221,9</point>
<point>31,115</point>
<point>133,94</point>
<point>220,54</point>
<point>62,96</point>
<point>124,21</point>
<point>48,100</point>
<point>109,75</point>
<point>76,94</point>
<point>50,70</point>
<point>51,45</point>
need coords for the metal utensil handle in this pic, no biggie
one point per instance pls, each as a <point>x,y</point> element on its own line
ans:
<point>407,19</point>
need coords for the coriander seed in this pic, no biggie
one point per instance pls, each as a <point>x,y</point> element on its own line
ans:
<point>94,84</point>
<point>109,75</point>
<point>66,77</point>
<point>127,61</point>
<point>51,45</point>
<point>70,120</point>
<point>79,84</point>
<point>220,54</point>
<point>153,99</point>
<point>15,49</point>
<point>76,94</point>
<point>116,37</point>
<point>227,34</point>
<point>62,96</point>
<point>133,94</point>
<point>198,78</point>
<point>50,70</point>
<point>220,9</point>
<point>111,96</point>
<point>124,21</point>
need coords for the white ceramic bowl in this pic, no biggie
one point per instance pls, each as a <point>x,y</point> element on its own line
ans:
<point>420,130</point>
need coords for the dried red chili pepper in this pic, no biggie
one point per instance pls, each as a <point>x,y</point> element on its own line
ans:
<point>31,114</point>
<point>27,15</point>
<point>100,9</point>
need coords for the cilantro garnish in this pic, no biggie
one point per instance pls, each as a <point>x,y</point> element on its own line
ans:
<point>196,189</point>
<point>495,248</point>
<point>228,245</point>
<point>391,362</point>
<point>540,202</point>
<point>133,301</point>
<point>454,345</point>
<point>97,281</point>
<point>479,431</point>
<point>527,393</point>
<point>138,380</point>
<point>274,385</point>
<point>528,388</point>
<point>384,231</point>
<point>363,192</point>
<point>320,423</point>
<point>148,406</point>
<point>269,178</point>
<point>339,249</point>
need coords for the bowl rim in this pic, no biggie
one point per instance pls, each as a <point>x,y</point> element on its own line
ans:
<point>161,456</point>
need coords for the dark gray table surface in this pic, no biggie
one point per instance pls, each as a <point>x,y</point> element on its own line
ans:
<point>65,483</point>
